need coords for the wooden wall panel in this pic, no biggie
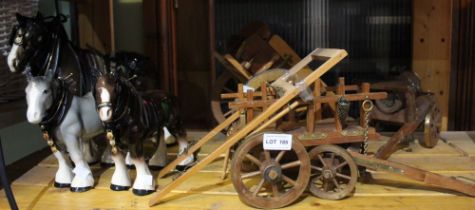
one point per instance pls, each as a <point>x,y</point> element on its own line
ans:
<point>432,28</point>
<point>176,39</point>
<point>96,25</point>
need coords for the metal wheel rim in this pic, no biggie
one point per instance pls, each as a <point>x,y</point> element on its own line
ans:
<point>431,128</point>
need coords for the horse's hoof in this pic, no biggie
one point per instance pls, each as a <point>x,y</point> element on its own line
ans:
<point>185,167</point>
<point>61,185</point>
<point>106,165</point>
<point>155,168</point>
<point>80,189</point>
<point>119,188</point>
<point>142,192</point>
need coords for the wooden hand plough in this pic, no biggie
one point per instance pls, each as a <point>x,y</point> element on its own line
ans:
<point>318,156</point>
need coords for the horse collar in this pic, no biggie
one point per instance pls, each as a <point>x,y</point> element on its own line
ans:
<point>56,114</point>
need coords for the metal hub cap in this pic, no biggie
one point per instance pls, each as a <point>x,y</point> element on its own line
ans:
<point>272,173</point>
<point>328,174</point>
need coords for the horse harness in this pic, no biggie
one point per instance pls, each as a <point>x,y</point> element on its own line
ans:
<point>55,115</point>
<point>145,110</point>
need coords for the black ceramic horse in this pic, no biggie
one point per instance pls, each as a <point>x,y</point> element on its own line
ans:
<point>131,118</point>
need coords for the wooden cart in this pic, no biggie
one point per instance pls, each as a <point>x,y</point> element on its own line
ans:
<point>319,155</point>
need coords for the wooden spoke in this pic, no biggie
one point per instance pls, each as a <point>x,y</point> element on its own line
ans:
<point>250,174</point>
<point>253,159</point>
<point>289,180</point>
<point>321,160</point>
<point>275,190</point>
<point>279,156</point>
<point>337,186</point>
<point>343,176</point>
<point>340,165</point>
<point>332,158</point>
<point>267,155</point>
<point>258,188</point>
<point>317,168</point>
<point>291,164</point>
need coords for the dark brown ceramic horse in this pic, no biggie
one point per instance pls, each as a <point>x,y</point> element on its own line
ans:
<point>130,118</point>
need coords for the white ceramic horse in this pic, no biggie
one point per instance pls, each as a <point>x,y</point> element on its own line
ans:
<point>79,122</point>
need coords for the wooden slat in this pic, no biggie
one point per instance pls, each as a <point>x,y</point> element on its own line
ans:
<point>432,30</point>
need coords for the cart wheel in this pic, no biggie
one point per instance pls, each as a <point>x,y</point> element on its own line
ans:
<point>280,176</point>
<point>431,128</point>
<point>334,172</point>
<point>225,83</point>
<point>389,105</point>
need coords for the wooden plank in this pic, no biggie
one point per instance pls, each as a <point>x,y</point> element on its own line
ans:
<point>95,27</point>
<point>38,176</point>
<point>206,189</point>
<point>25,196</point>
<point>237,66</point>
<point>432,29</point>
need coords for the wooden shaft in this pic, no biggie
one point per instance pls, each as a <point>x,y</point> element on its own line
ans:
<point>423,105</point>
<point>199,143</point>
<point>335,57</point>
<point>414,173</point>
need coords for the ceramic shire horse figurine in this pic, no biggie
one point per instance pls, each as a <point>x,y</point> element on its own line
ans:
<point>60,78</point>
<point>143,76</point>
<point>66,120</point>
<point>130,119</point>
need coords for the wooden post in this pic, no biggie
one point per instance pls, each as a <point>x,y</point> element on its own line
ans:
<point>432,30</point>
<point>250,110</point>
<point>316,94</point>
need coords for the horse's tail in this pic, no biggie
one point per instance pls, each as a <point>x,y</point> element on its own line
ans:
<point>175,120</point>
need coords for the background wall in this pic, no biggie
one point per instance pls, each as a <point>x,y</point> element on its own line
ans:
<point>23,138</point>
<point>129,25</point>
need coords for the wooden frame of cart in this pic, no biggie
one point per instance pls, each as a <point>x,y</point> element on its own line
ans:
<point>283,175</point>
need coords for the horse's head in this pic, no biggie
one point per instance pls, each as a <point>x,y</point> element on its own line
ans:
<point>106,94</point>
<point>39,97</point>
<point>29,35</point>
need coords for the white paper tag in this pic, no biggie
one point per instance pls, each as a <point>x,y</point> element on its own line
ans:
<point>81,172</point>
<point>246,88</point>
<point>276,141</point>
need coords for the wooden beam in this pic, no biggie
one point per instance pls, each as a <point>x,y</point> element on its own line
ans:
<point>432,29</point>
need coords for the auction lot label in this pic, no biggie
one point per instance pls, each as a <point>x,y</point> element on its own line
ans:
<point>277,141</point>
